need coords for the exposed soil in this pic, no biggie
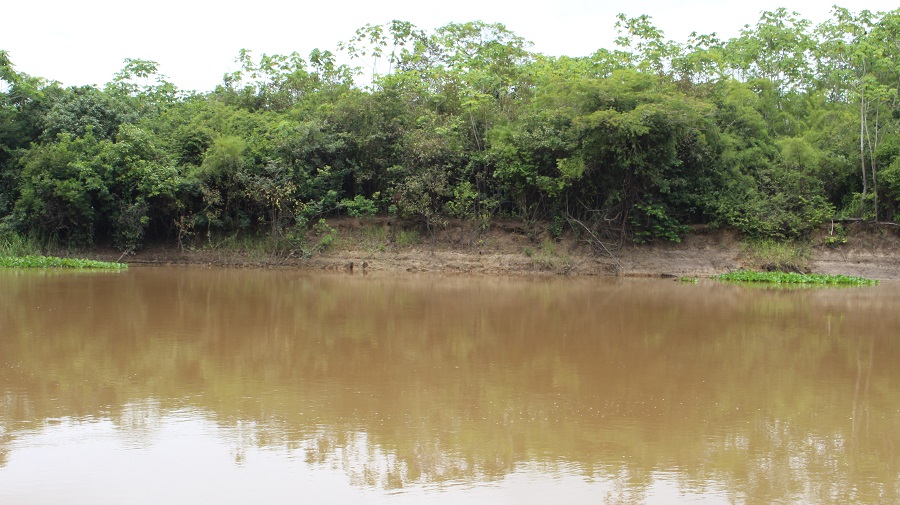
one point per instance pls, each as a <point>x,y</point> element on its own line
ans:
<point>508,248</point>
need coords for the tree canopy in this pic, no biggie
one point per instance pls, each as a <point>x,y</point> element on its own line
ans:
<point>773,132</point>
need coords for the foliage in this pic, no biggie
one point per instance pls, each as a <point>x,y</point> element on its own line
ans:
<point>794,278</point>
<point>774,132</point>
<point>14,244</point>
<point>777,255</point>
<point>654,221</point>
<point>62,189</point>
<point>327,235</point>
<point>54,262</point>
<point>359,206</point>
<point>836,237</point>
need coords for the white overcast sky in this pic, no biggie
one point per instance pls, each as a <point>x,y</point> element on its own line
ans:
<point>196,42</point>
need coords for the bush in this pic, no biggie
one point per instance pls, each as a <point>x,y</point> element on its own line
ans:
<point>62,191</point>
<point>360,206</point>
<point>837,236</point>
<point>781,216</point>
<point>653,221</point>
<point>129,224</point>
<point>860,206</point>
<point>327,235</point>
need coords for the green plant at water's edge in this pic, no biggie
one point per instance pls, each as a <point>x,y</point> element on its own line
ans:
<point>775,255</point>
<point>795,278</point>
<point>13,244</point>
<point>54,262</point>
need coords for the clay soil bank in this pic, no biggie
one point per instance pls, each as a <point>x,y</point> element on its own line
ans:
<point>509,249</point>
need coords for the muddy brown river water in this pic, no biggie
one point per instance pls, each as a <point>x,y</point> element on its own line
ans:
<point>185,386</point>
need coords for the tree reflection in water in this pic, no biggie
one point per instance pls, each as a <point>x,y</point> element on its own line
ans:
<point>754,396</point>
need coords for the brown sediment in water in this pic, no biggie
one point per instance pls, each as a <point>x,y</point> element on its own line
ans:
<point>507,248</point>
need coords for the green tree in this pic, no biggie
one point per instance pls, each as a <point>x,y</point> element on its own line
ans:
<point>775,49</point>
<point>646,151</point>
<point>76,110</point>
<point>424,179</point>
<point>277,82</point>
<point>859,61</point>
<point>24,100</point>
<point>143,184</point>
<point>644,45</point>
<point>62,189</point>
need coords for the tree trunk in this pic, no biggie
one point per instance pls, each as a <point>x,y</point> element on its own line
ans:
<point>862,147</point>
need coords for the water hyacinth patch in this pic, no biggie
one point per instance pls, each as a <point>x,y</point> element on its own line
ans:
<point>54,262</point>
<point>795,278</point>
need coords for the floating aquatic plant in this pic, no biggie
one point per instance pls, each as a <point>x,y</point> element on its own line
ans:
<point>54,262</point>
<point>795,278</point>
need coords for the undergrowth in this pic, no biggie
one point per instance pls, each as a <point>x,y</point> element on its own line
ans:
<point>13,244</point>
<point>778,256</point>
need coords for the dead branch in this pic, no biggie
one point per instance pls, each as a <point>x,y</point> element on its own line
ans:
<point>596,240</point>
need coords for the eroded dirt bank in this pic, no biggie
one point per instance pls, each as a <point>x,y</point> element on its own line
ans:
<point>509,249</point>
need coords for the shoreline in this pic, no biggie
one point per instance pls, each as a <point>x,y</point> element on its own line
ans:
<point>506,250</point>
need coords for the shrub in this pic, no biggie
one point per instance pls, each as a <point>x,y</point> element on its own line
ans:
<point>360,206</point>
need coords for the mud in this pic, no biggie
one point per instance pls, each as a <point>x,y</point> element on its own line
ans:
<point>508,248</point>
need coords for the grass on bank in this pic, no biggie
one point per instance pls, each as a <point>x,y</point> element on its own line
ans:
<point>795,278</point>
<point>780,256</point>
<point>14,245</point>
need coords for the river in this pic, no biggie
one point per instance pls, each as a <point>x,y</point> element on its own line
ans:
<point>189,385</point>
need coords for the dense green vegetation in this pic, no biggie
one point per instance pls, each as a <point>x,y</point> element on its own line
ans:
<point>773,132</point>
<point>795,278</point>
<point>53,262</point>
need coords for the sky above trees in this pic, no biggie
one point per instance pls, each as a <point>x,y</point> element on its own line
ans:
<point>80,43</point>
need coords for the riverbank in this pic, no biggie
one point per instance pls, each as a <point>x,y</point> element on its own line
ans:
<point>507,248</point>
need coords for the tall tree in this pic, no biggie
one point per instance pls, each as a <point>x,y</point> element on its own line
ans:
<point>777,49</point>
